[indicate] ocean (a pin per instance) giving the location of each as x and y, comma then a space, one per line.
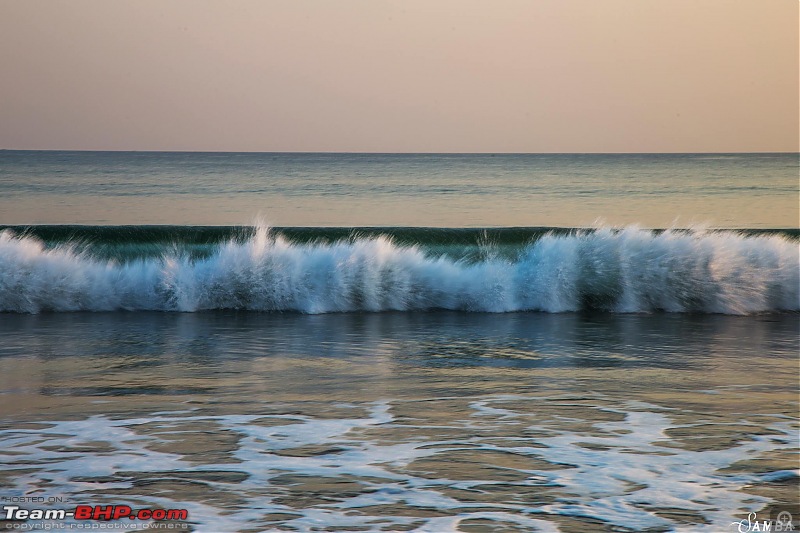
401, 342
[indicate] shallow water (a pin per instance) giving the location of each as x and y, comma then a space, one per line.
397, 421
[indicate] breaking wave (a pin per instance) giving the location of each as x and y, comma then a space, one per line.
618, 270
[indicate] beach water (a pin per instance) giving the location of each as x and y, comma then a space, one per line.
401, 342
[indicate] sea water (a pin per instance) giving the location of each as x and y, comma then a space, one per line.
435, 190
423, 343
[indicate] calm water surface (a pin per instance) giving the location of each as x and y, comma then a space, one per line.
658, 190
395, 422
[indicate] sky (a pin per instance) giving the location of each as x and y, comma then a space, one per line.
400, 75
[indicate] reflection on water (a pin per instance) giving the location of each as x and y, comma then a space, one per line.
392, 422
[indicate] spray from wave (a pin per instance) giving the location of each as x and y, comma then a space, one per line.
625, 270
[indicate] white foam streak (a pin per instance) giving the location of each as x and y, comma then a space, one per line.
630, 270
623, 478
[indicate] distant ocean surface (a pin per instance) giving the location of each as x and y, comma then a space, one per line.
435, 190
421, 342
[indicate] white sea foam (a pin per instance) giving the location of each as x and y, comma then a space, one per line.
627, 270
623, 480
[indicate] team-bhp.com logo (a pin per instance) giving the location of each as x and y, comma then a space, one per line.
93, 512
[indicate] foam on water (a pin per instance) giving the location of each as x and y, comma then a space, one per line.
627, 270
624, 473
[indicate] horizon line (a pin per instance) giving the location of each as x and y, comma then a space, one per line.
332, 152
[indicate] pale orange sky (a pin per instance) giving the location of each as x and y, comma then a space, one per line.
400, 75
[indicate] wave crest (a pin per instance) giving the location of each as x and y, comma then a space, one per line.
625, 270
